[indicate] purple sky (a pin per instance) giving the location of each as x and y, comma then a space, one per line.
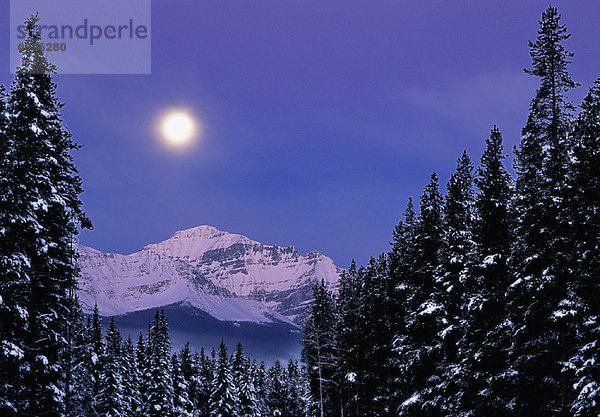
321, 117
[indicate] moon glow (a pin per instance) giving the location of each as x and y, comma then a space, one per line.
178, 128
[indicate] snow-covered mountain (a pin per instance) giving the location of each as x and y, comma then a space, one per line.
226, 275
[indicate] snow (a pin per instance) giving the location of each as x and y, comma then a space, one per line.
210, 269
412, 400
489, 260
429, 308
35, 129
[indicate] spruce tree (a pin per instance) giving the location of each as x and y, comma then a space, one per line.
41, 214
259, 374
585, 183
401, 269
350, 330
110, 397
540, 299
457, 243
97, 352
159, 401
276, 391
143, 371
190, 372
14, 282
248, 396
132, 402
182, 406
485, 340
376, 348
79, 384
205, 373
224, 401
295, 402
418, 346
319, 350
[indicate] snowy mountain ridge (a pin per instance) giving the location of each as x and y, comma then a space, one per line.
229, 276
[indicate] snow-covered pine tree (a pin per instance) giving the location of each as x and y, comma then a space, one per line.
97, 353
276, 390
540, 299
320, 350
259, 376
190, 372
451, 275
238, 365
418, 346
110, 397
132, 402
401, 270
482, 349
159, 401
349, 329
295, 383
14, 282
457, 244
41, 214
79, 384
182, 406
374, 372
205, 377
224, 401
248, 397
585, 184
243, 380
143, 371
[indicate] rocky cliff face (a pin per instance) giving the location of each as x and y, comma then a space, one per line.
227, 275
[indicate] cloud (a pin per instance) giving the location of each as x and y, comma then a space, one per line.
477, 103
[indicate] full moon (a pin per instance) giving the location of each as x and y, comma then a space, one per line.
178, 128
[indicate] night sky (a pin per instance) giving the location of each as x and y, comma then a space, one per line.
320, 118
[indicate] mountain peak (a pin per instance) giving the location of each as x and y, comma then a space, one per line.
198, 264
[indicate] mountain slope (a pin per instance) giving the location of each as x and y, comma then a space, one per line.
226, 275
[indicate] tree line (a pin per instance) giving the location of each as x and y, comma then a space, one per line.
112, 377
488, 302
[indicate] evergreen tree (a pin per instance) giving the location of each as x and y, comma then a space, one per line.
190, 372
143, 371
295, 403
457, 243
79, 386
319, 350
259, 374
485, 339
248, 397
350, 330
97, 354
132, 402
238, 365
374, 373
110, 397
402, 269
585, 183
224, 401
14, 282
540, 299
159, 400
276, 391
206, 373
41, 214
182, 406
418, 346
